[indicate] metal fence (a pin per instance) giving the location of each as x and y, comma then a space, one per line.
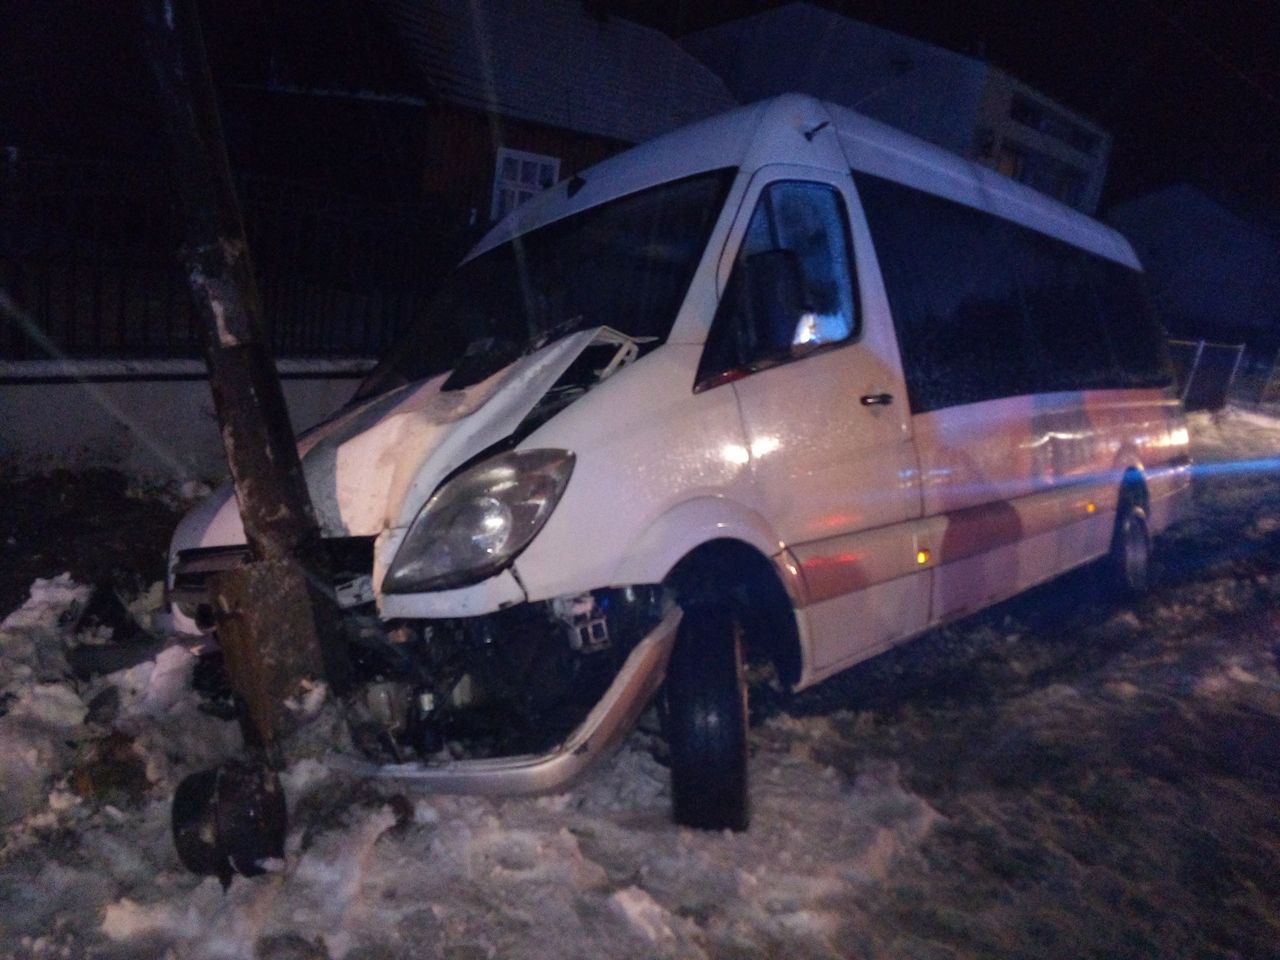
1205, 371
90, 254
340, 277
87, 252
1269, 392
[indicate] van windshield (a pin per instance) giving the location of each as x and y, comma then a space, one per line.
625, 264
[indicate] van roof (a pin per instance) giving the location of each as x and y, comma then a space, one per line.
799, 129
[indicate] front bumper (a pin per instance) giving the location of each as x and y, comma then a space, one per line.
599, 734
352, 559
191, 571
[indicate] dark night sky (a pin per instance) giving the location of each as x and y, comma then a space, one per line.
1189, 88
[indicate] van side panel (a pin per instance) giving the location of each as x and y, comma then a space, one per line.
1019, 490
1035, 370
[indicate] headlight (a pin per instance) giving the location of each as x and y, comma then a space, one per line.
478, 522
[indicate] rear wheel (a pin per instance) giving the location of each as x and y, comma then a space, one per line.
707, 721
1128, 567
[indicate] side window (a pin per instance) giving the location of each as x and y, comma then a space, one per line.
792, 286
519, 175
1140, 345
1074, 349
953, 289
987, 308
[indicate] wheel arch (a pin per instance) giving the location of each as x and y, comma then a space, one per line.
1133, 488
685, 527
1129, 469
736, 573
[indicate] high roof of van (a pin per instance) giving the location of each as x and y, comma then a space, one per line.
801, 130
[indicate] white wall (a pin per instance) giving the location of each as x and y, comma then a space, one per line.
994, 115
146, 419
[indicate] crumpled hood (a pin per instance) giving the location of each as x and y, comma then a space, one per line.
372, 467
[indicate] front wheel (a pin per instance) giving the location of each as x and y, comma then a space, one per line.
707, 721
1128, 567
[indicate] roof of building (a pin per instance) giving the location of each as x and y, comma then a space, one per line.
1173, 206
553, 62
929, 90
800, 45
1208, 264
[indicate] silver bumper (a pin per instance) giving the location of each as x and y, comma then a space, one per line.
604, 728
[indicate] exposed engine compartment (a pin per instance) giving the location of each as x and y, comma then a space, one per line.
513, 682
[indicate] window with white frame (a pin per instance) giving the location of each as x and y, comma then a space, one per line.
518, 176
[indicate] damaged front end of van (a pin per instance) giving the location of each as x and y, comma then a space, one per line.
427, 498
500, 642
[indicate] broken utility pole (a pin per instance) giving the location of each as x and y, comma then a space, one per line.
276, 615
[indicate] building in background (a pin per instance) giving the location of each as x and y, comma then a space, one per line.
476, 103
1215, 275
960, 103
373, 141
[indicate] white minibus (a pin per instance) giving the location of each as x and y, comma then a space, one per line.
785, 385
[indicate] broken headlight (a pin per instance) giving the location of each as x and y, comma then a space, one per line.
478, 522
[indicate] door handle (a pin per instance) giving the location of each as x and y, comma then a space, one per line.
877, 399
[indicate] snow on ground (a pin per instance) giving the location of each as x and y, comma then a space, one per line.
599, 872
1234, 433
1053, 778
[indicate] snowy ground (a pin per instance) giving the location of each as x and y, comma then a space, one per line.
1054, 778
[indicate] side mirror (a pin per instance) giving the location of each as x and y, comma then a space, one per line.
775, 299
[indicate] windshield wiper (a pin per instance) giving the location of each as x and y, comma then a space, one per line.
574, 324
483, 359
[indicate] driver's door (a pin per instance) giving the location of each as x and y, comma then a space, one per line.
825, 412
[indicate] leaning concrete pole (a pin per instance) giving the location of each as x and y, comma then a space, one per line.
276, 615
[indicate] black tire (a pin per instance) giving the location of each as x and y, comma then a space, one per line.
1127, 570
707, 722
